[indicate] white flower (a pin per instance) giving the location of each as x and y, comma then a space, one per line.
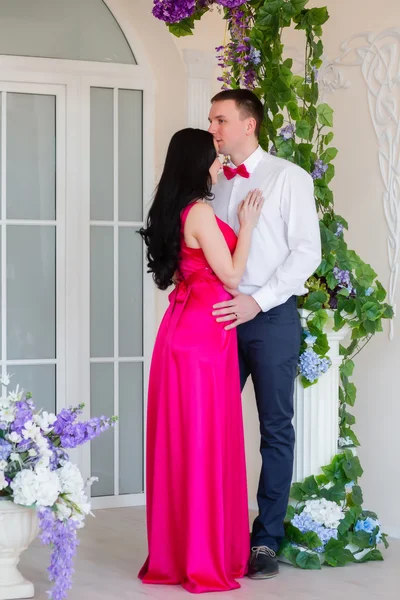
45, 421
71, 480
7, 414
15, 396
3, 464
31, 431
325, 512
48, 487
63, 511
3, 482
32, 452
24, 486
5, 380
14, 437
41, 487
14, 457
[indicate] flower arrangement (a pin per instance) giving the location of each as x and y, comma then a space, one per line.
327, 524
35, 471
298, 128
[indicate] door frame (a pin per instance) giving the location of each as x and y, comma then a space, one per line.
76, 78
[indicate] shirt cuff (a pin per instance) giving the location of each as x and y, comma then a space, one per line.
265, 299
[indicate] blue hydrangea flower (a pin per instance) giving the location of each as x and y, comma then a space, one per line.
255, 56
5, 449
368, 525
305, 523
369, 291
311, 365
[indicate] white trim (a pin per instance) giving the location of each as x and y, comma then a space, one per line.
122, 501
120, 359
3, 143
116, 291
132, 224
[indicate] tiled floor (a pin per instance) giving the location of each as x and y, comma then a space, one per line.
113, 547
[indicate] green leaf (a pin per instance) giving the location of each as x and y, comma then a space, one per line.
347, 368
350, 518
330, 173
325, 114
351, 466
316, 300
336, 554
181, 29
298, 5
303, 129
337, 318
329, 154
336, 493
362, 539
297, 492
328, 138
320, 319
290, 513
365, 275
318, 16
373, 555
351, 391
311, 540
310, 486
356, 495
329, 240
293, 110
284, 147
388, 312
380, 293
327, 264
277, 121
289, 552
308, 560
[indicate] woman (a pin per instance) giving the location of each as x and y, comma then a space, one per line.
197, 511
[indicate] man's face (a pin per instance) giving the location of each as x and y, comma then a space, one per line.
227, 126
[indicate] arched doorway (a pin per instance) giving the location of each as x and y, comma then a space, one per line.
75, 170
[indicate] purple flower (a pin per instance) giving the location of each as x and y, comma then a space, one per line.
339, 230
62, 538
320, 169
287, 132
173, 11
272, 150
231, 3
22, 415
5, 449
343, 278
76, 434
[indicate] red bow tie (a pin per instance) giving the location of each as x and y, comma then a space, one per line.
241, 170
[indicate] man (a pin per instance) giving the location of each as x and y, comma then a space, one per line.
285, 251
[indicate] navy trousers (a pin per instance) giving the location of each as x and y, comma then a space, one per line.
269, 348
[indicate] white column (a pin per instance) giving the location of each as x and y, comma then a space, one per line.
200, 67
316, 414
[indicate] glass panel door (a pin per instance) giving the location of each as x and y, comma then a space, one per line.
32, 233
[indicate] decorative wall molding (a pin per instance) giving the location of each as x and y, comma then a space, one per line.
200, 67
378, 56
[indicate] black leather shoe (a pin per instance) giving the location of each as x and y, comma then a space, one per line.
263, 563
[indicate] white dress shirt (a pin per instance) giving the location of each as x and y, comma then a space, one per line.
286, 244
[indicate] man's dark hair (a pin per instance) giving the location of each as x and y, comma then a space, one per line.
246, 102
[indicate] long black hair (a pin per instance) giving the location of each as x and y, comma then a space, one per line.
185, 178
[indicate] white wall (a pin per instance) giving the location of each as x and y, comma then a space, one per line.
358, 188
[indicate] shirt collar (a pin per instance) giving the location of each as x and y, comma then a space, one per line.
252, 161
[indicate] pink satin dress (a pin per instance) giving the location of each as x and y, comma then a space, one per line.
197, 508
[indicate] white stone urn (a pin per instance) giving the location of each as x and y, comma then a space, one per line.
19, 526
316, 410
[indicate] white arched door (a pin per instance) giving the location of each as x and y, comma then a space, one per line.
76, 306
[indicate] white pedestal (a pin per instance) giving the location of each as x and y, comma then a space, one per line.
18, 528
316, 413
